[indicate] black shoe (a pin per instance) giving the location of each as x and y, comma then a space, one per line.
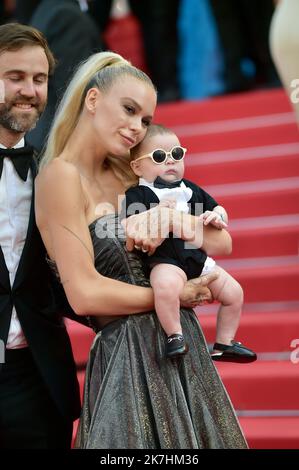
176, 346
234, 353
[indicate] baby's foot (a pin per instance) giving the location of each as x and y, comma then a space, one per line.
235, 352
176, 345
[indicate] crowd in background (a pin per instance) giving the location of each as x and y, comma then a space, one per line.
192, 48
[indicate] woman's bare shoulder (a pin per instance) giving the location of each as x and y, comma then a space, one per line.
59, 184
58, 171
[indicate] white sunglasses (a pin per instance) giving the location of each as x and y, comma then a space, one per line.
160, 156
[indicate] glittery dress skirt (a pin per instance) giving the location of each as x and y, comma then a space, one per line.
136, 398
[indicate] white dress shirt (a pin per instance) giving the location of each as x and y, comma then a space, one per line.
15, 202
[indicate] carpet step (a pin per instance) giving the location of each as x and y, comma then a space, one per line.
260, 331
266, 242
233, 138
224, 108
268, 279
258, 198
253, 205
261, 385
230, 166
266, 236
271, 432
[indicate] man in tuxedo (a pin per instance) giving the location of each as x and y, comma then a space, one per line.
39, 393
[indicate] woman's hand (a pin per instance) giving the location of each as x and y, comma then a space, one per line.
196, 291
146, 231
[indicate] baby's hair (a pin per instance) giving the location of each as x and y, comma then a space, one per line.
153, 129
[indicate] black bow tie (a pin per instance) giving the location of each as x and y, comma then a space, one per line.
21, 159
160, 183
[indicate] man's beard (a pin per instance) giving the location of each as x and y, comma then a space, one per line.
17, 121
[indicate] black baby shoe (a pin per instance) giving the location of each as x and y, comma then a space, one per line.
237, 352
176, 345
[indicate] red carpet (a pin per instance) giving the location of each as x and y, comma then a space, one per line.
244, 149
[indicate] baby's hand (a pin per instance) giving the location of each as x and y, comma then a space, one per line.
213, 218
171, 203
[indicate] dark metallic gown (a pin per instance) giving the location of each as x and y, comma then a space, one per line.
136, 398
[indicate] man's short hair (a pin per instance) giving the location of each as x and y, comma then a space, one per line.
14, 36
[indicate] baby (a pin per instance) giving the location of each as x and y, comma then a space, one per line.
158, 161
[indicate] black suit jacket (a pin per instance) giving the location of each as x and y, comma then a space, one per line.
72, 36
40, 316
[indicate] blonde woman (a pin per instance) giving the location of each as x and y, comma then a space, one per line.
132, 398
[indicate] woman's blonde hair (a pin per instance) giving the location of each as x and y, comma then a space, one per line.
101, 71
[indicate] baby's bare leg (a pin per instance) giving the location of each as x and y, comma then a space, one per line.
229, 293
167, 282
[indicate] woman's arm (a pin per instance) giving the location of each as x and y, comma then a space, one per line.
191, 228
149, 229
60, 215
